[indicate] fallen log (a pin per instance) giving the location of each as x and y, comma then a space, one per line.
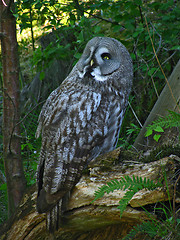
100, 219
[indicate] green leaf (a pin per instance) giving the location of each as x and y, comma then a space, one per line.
42, 75
148, 133
117, 28
133, 56
16, 15
135, 34
158, 129
77, 55
156, 137
151, 71
138, 2
97, 29
175, 48
3, 187
178, 221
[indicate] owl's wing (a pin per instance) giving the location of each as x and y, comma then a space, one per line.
71, 135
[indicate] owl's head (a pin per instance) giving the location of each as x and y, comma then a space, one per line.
105, 59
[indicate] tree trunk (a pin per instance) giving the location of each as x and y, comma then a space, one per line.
99, 220
11, 129
169, 99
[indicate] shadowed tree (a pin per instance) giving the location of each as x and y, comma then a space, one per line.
16, 182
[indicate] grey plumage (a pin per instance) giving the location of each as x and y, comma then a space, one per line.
80, 120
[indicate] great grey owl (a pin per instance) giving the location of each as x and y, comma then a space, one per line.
80, 120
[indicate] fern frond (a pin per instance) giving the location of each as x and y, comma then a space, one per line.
149, 228
133, 185
123, 183
125, 200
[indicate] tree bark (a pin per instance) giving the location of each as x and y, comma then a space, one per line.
11, 130
169, 99
99, 220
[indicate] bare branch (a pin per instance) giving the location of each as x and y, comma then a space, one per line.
4, 3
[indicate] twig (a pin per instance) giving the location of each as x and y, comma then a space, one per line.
103, 19
4, 3
152, 79
169, 57
12, 133
165, 61
96, 16
160, 41
28, 113
135, 115
161, 66
174, 200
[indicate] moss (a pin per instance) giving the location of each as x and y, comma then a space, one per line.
161, 152
106, 162
128, 155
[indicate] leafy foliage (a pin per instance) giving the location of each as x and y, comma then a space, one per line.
30, 146
87, 19
3, 198
171, 120
148, 228
132, 185
156, 229
43, 59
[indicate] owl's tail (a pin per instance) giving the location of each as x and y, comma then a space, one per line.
55, 217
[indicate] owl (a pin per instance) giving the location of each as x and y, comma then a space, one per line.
80, 120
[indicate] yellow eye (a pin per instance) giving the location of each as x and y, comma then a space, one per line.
106, 56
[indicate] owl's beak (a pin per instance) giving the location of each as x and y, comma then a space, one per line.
91, 62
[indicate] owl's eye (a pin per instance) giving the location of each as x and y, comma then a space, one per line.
106, 56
